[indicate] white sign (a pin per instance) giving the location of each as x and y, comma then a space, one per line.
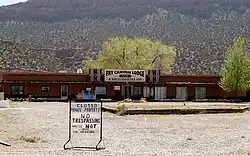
122, 75
85, 118
117, 88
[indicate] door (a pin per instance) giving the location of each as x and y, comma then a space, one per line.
248, 95
127, 91
64, 91
118, 93
138, 91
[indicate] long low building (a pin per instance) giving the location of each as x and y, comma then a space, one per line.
114, 84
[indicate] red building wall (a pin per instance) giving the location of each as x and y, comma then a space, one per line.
55, 89
189, 78
7, 89
45, 77
1, 87
76, 88
32, 83
191, 90
171, 90
213, 91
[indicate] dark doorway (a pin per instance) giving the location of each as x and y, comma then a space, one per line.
248, 96
127, 91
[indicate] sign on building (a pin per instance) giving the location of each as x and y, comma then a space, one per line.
85, 125
123, 75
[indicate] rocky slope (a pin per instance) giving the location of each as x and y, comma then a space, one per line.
65, 10
201, 30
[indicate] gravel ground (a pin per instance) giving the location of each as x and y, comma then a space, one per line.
203, 135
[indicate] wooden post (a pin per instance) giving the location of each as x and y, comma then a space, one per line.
29, 98
4, 143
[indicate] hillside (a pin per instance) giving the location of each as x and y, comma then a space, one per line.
68, 31
65, 10
24, 57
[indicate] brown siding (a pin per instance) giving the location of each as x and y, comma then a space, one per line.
191, 90
217, 91
76, 88
110, 90
213, 91
7, 88
172, 78
55, 89
44, 77
35, 89
1, 83
232, 93
1, 87
171, 91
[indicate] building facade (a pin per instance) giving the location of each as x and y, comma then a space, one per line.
113, 84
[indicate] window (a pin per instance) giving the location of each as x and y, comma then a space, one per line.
160, 93
181, 93
100, 90
137, 90
200, 92
45, 88
17, 90
148, 91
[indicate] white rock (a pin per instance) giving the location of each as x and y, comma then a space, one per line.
4, 104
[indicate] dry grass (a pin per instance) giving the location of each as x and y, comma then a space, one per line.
12, 127
241, 153
31, 139
121, 110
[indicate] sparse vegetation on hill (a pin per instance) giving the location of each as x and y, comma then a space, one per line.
201, 30
66, 10
25, 57
21, 56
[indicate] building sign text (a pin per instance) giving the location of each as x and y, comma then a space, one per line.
122, 75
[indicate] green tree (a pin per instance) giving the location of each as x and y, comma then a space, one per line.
133, 53
235, 72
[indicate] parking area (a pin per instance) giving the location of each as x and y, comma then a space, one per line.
41, 128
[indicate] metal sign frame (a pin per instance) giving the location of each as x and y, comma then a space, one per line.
82, 147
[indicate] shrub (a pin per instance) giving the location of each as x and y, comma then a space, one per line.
31, 139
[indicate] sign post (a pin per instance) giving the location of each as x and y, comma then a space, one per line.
85, 125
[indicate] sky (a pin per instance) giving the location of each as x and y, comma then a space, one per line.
8, 2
